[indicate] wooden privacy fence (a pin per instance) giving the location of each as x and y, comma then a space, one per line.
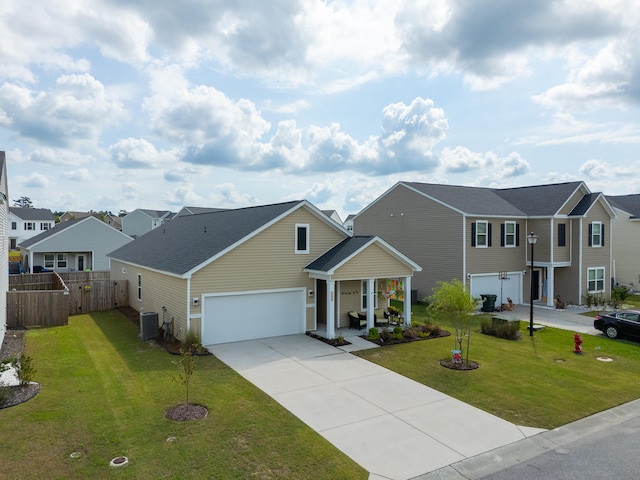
47, 299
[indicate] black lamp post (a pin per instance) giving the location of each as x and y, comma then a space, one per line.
532, 239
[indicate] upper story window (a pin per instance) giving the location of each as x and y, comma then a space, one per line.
510, 234
562, 234
139, 287
302, 238
596, 234
14, 225
45, 226
29, 226
481, 234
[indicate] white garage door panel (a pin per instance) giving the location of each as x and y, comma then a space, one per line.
233, 318
511, 288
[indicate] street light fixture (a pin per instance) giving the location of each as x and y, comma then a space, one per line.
532, 238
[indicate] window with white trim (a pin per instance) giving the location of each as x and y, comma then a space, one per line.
139, 287
482, 233
302, 238
596, 234
509, 234
45, 226
49, 259
61, 260
365, 297
595, 279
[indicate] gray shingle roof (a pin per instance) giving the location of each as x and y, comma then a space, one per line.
157, 213
339, 253
188, 241
32, 213
584, 204
628, 203
52, 231
537, 200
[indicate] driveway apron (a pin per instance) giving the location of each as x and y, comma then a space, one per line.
392, 426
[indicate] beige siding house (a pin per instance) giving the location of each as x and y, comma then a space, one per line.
626, 240
479, 236
257, 272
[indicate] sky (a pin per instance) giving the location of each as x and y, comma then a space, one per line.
123, 104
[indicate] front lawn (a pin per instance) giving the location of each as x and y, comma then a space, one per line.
536, 382
104, 393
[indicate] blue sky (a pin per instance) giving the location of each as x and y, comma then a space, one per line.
116, 105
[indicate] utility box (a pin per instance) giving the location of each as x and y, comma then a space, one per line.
148, 325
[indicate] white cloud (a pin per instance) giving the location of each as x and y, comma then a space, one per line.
461, 160
79, 175
35, 180
140, 153
75, 110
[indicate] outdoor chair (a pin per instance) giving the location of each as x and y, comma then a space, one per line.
356, 320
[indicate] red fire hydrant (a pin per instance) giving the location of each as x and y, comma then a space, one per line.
578, 341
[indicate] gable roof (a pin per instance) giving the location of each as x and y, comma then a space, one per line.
207, 235
156, 213
195, 210
62, 226
31, 213
627, 203
531, 201
348, 248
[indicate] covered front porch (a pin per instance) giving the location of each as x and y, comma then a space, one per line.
361, 275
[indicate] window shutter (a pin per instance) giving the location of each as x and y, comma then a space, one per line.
517, 234
502, 228
590, 235
602, 234
489, 235
562, 234
473, 234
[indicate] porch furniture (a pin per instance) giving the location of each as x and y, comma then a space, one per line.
356, 320
381, 318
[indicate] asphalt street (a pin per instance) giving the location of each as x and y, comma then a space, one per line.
609, 453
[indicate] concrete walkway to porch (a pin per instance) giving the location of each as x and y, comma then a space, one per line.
393, 427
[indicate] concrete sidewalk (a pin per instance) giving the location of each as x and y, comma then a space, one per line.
393, 427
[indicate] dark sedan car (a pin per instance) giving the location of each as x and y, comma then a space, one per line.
616, 324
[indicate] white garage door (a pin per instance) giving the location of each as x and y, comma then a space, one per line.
511, 286
246, 316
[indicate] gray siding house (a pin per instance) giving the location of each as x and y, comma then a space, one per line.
478, 235
141, 221
74, 245
626, 240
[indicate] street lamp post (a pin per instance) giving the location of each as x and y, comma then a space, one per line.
532, 239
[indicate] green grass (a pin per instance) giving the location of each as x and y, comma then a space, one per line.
536, 382
104, 393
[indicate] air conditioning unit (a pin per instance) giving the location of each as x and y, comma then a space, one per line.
148, 325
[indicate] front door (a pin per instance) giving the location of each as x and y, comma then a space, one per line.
80, 263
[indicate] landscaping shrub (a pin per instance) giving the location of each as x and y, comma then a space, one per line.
26, 370
507, 330
386, 335
397, 333
411, 333
619, 295
374, 334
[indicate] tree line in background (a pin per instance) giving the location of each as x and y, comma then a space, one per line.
25, 202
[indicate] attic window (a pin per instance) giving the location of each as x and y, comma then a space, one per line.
302, 238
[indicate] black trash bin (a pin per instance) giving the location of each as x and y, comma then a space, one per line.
488, 302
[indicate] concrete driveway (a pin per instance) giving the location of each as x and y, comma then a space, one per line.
393, 427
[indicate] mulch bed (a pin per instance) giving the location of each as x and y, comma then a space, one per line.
463, 366
186, 413
334, 342
12, 347
393, 341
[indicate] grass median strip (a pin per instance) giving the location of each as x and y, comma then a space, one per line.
104, 394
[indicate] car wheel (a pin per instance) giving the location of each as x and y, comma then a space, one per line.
611, 331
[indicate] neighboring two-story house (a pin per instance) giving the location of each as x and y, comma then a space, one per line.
141, 221
25, 223
478, 235
626, 236
4, 245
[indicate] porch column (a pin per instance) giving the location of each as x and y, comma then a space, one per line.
331, 308
551, 294
407, 301
371, 302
